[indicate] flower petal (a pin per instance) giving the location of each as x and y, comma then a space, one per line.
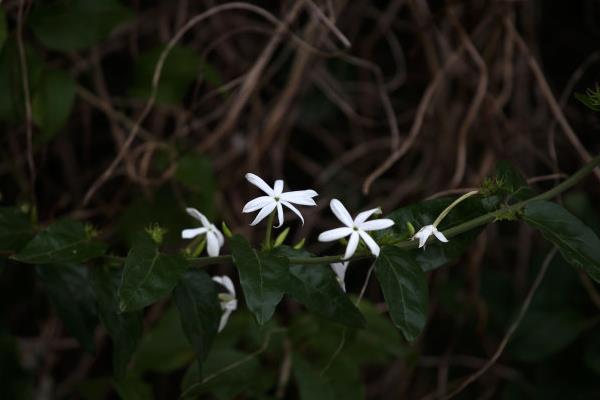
376, 224
212, 244
279, 215
199, 216
335, 234
302, 197
224, 319
363, 216
259, 183
192, 233
341, 213
257, 203
226, 282
264, 213
340, 269
373, 246
294, 209
440, 236
423, 236
278, 187
219, 236
352, 245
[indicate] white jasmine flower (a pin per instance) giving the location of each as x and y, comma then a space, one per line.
356, 228
426, 231
228, 300
214, 237
340, 272
275, 198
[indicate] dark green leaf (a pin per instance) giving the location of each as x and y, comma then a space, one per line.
94, 388
311, 384
133, 388
125, 329
15, 229
65, 241
148, 275
404, 287
196, 299
16, 382
72, 297
544, 333
75, 24
578, 244
225, 382
3, 28
164, 348
180, 69
52, 102
317, 288
12, 100
435, 254
263, 277
591, 354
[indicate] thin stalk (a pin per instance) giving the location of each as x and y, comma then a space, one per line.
454, 231
451, 206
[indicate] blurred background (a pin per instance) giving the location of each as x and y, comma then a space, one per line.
376, 103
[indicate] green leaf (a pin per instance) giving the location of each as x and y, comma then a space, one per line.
229, 373
15, 229
16, 382
52, 102
180, 69
404, 287
12, 99
542, 334
125, 329
263, 278
133, 388
76, 24
164, 348
591, 354
578, 244
436, 254
311, 384
3, 28
65, 241
316, 287
72, 297
148, 275
196, 299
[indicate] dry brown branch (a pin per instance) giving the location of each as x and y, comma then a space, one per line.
549, 96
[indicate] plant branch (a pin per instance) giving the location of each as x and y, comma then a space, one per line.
454, 231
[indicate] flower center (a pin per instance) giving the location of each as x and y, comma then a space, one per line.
276, 198
355, 228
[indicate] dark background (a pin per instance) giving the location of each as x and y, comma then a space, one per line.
320, 116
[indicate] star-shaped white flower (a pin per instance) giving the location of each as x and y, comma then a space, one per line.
228, 300
275, 198
356, 228
340, 273
426, 231
214, 237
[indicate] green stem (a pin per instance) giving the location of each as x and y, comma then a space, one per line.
451, 206
268, 243
454, 231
